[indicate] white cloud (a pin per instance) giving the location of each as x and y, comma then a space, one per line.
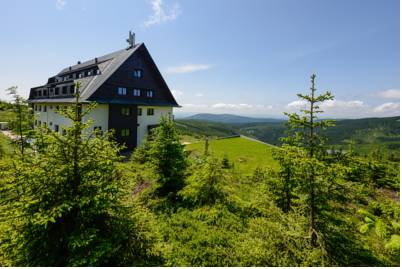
387, 107
61, 4
159, 14
328, 105
197, 106
177, 93
199, 94
389, 94
223, 107
298, 104
335, 104
231, 106
187, 68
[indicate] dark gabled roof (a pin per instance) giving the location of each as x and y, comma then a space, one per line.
108, 65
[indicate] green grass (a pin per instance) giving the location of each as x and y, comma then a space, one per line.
6, 116
246, 155
6, 146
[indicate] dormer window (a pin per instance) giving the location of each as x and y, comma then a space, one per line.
137, 92
137, 73
97, 71
80, 75
150, 93
121, 91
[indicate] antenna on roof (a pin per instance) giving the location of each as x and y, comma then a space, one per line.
131, 39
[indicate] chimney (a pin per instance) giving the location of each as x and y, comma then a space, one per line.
96, 60
69, 68
79, 62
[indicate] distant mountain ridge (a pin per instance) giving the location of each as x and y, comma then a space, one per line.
230, 118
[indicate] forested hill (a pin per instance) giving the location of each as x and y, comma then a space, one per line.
229, 118
381, 131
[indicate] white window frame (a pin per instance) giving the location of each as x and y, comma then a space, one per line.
137, 92
121, 91
137, 73
150, 93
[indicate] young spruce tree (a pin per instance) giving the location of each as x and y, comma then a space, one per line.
23, 120
67, 203
305, 135
164, 151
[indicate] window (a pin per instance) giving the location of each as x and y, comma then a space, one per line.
56, 128
40, 108
44, 92
72, 89
137, 73
150, 111
150, 93
98, 72
44, 108
50, 123
137, 92
139, 111
125, 111
80, 75
98, 130
121, 91
64, 90
125, 132
44, 124
39, 123
35, 107
56, 91
57, 107
63, 131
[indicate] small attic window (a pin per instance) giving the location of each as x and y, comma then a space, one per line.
150, 93
97, 71
137, 73
121, 91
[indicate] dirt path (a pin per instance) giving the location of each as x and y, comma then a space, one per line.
10, 135
256, 140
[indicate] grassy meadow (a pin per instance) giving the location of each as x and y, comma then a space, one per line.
246, 155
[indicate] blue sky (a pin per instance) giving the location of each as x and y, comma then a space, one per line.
244, 57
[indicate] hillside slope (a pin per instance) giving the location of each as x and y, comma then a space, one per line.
244, 154
229, 118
